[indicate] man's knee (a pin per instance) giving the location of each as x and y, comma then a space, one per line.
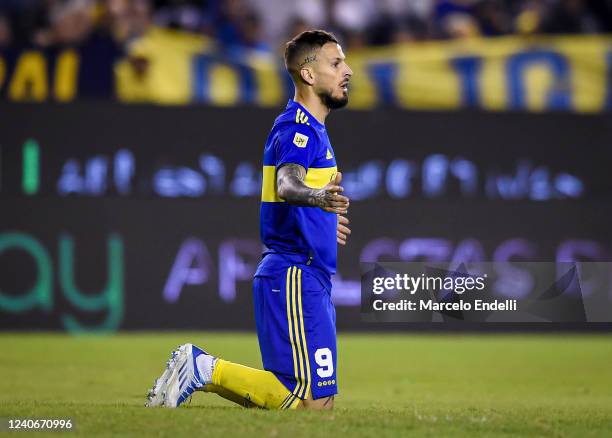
319, 404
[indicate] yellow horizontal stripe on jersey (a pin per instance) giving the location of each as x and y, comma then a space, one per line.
316, 177
319, 177
268, 185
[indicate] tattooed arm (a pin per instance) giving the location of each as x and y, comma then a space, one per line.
290, 186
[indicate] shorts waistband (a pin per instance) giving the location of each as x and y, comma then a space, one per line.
273, 261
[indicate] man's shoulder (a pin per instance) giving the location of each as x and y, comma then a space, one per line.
293, 118
287, 125
296, 127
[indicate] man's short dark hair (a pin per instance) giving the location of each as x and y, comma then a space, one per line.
298, 50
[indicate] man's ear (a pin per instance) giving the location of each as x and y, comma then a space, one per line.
306, 75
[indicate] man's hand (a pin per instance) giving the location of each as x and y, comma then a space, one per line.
330, 199
343, 231
290, 186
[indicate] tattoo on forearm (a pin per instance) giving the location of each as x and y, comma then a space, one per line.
291, 187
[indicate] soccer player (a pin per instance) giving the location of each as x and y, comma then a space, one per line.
302, 223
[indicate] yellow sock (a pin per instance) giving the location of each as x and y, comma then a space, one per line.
229, 395
257, 386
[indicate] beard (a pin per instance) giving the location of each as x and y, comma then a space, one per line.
332, 102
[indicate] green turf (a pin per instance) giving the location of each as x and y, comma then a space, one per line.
390, 385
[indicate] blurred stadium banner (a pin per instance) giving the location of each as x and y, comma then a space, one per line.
145, 217
170, 67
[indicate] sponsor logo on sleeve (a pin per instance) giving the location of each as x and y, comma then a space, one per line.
300, 140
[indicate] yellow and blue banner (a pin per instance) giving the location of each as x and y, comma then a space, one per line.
564, 73
513, 73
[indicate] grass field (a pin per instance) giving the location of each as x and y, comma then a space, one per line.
390, 385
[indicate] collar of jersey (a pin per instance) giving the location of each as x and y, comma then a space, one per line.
315, 122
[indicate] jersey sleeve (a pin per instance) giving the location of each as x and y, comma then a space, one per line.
297, 143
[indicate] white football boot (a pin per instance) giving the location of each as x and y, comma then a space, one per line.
181, 377
155, 395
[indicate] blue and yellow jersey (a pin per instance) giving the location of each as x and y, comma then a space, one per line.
298, 233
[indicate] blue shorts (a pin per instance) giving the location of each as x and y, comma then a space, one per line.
296, 326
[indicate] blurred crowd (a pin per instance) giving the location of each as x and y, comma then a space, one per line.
267, 24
